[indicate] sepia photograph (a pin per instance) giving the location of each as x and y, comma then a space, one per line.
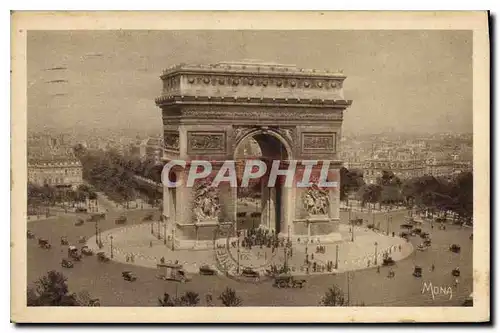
244, 174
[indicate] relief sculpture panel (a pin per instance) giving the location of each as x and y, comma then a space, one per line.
171, 140
318, 142
210, 142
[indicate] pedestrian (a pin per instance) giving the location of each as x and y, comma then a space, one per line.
131, 258
432, 268
150, 243
378, 269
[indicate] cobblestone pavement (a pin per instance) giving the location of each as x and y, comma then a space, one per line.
366, 286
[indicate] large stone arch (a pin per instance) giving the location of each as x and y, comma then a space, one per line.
208, 110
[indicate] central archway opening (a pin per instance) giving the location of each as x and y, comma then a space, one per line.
258, 205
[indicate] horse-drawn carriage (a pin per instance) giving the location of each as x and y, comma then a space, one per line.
456, 272
288, 281
44, 243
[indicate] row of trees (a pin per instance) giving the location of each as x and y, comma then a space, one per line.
49, 196
427, 193
114, 175
52, 290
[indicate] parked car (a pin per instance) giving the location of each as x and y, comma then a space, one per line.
30, 234
82, 239
80, 210
207, 270
129, 276
79, 222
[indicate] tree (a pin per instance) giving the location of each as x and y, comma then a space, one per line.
370, 193
229, 298
51, 290
333, 297
190, 298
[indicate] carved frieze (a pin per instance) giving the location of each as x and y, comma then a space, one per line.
264, 114
171, 140
206, 205
319, 142
209, 142
235, 80
316, 201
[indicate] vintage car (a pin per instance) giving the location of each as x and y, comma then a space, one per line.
442, 227
172, 272
64, 240
455, 248
94, 302
417, 231
248, 272
207, 270
73, 253
30, 234
80, 210
470, 237
86, 251
148, 217
66, 263
101, 256
422, 247
288, 281
427, 242
82, 240
79, 222
121, 220
417, 271
129, 276
388, 261
424, 235
44, 243
404, 235
357, 222
456, 272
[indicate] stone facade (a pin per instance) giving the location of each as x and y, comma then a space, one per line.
292, 113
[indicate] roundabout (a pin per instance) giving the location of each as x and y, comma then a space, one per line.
138, 245
367, 285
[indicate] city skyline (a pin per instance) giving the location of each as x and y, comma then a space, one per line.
95, 83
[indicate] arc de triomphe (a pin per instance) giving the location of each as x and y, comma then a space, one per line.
292, 113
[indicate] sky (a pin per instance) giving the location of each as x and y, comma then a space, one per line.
401, 81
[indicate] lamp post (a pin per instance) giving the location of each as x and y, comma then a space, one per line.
165, 232
111, 245
376, 244
337, 256
152, 231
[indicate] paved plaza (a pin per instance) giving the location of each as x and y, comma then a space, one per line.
366, 285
